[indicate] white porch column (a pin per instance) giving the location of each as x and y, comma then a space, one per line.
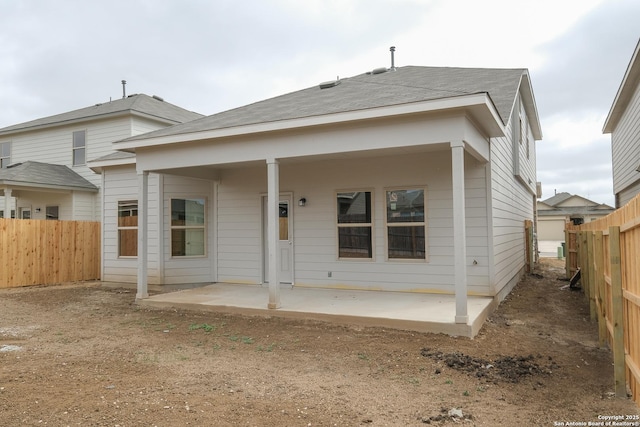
143, 203
273, 215
7, 203
459, 233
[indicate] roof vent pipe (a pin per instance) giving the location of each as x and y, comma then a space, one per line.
393, 64
124, 92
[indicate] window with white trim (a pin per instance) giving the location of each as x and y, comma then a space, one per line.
79, 147
355, 225
127, 228
406, 226
5, 154
188, 227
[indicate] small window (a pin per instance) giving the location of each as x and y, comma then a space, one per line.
355, 225
406, 224
188, 227
128, 228
52, 212
79, 147
5, 154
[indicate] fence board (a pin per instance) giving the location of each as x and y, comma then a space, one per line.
618, 297
42, 252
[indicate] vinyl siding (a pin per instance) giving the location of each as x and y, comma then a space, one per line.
629, 193
179, 270
140, 125
511, 204
625, 144
240, 251
84, 204
42, 200
54, 145
121, 183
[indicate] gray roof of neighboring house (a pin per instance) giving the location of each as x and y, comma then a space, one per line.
150, 106
31, 173
405, 85
559, 198
578, 210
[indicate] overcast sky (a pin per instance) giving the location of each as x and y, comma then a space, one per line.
212, 55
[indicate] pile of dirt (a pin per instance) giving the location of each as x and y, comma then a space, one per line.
504, 368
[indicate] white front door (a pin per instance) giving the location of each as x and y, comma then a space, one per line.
285, 241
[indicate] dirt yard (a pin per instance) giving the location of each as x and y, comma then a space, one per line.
82, 355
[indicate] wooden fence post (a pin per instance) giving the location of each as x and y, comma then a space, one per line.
582, 263
591, 276
598, 254
567, 247
528, 231
619, 368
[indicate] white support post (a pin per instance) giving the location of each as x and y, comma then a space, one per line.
143, 203
273, 221
7, 203
459, 233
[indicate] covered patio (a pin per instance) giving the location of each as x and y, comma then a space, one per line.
398, 310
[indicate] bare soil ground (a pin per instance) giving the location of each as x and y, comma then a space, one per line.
83, 355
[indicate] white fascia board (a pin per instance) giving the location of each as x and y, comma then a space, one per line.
33, 186
530, 106
98, 165
69, 122
480, 99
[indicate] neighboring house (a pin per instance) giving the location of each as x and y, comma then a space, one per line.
555, 211
623, 123
415, 179
43, 163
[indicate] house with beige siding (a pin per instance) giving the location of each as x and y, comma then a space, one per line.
43, 162
410, 179
556, 211
623, 123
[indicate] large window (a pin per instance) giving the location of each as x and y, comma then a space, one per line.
127, 228
79, 147
406, 224
188, 227
354, 225
5, 154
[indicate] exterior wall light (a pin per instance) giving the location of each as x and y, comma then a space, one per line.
302, 202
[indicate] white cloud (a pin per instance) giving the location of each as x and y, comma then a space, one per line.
210, 56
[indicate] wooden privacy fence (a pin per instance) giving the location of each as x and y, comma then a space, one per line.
606, 251
43, 252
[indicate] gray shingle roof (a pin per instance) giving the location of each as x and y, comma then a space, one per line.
144, 104
117, 155
44, 174
405, 85
557, 199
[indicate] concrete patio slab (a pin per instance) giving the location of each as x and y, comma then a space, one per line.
408, 311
